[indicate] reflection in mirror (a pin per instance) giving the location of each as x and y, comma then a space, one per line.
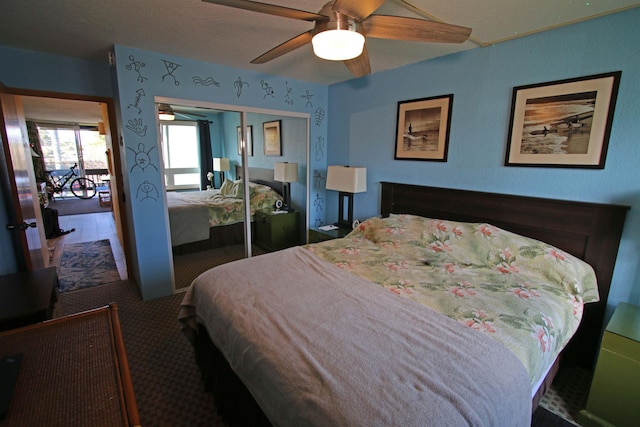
206, 195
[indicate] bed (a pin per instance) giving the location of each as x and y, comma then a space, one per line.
384, 354
200, 220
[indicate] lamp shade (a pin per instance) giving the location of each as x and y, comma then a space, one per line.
221, 164
347, 179
286, 172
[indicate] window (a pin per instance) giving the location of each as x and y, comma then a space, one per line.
181, 155
64, 145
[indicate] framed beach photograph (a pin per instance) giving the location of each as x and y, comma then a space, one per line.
564, 123
249, 140
272, 140
422, 129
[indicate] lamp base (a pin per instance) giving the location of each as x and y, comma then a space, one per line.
342, 221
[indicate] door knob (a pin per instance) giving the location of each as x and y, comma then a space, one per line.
22, 226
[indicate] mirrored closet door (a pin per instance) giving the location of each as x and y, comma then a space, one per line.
206, 157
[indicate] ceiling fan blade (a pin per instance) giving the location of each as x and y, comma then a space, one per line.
413, 29
357, 9
286, 47
359, 66
187, 114
270, 9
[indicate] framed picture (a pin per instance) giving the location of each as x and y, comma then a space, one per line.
272, 140
422, 131
249, 140
564, 123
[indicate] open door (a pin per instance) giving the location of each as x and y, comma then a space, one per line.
25, 228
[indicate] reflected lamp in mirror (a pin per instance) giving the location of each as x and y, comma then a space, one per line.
286, 173
346, 181
221, 165
165, 112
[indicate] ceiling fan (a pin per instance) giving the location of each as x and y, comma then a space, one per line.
168, 112
352, 19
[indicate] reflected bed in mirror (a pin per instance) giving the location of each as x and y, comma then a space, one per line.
201, 220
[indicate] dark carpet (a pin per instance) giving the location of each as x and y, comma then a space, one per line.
166, 380
188, 267
75, 206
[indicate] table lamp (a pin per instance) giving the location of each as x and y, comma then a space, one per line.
221, 164
347, 181
286, 173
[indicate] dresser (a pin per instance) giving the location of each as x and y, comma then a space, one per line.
275, 231
615, 390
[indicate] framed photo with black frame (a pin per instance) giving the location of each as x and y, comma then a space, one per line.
563, 123
271, 138
422, 129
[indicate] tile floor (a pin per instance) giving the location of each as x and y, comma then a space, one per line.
568, 393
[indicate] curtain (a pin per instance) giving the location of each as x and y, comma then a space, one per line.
206, 154
34, 142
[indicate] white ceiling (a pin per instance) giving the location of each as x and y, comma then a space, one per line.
223, 35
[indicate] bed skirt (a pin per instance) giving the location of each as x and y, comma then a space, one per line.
234, 402
220, 236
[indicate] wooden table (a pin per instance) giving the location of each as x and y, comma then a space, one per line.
27, 297
74, 372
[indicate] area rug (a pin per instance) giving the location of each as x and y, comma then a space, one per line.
86, 264
75, 206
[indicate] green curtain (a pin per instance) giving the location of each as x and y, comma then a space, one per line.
38, 162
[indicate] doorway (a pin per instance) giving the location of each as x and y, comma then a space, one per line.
90, 116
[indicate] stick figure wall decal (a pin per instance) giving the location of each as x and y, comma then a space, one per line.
139, 94
308, 97
239, 84
319, 148
136, 66
319, 116
268, 90
142, 158
135, 126
318, 203
318, 180
197, 80
171, 68
147, 190
288, 98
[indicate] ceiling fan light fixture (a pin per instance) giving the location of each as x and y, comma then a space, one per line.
338, 40
165, 112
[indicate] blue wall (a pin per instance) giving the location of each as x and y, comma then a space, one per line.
141, 76
362, 117
53, 73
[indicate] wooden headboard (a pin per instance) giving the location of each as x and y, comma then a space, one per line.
262, 176
589, 231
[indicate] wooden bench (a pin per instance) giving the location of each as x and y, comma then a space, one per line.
74, 371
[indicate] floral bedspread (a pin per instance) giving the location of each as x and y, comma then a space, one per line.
226, 207
524, 293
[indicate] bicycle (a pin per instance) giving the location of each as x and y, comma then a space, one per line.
81, 187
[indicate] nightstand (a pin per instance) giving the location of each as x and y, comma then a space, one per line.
317, 235
275, 231
615, 389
